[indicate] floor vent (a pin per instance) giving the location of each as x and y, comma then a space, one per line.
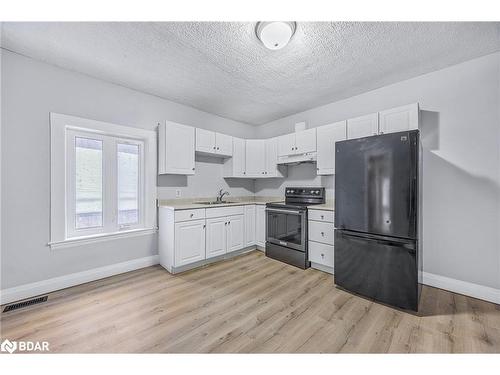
27, 303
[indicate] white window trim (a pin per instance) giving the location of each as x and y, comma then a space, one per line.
59, 126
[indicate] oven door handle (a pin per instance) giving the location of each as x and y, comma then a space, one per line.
284, 211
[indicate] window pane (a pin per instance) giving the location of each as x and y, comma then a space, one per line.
128, 184
88, 160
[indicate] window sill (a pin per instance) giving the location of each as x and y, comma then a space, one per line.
78, 241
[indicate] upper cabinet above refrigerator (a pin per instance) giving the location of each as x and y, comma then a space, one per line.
399, 119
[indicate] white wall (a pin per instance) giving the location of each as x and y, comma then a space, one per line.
30, 90
461, 140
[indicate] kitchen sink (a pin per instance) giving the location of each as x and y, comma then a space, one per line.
214, 202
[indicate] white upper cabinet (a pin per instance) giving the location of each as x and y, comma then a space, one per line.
272, 168
176, 148
297, 143
286, 144
255, 158
327, 135
235, 166
305, 141
208, 142
363, 126
224, 144
205, 141
399, 119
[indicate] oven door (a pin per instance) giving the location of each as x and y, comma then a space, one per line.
286, 227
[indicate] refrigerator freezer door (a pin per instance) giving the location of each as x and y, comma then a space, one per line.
377, 267
376, 184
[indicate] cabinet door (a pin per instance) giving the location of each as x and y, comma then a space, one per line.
255, 157
271, 157
177, 145
249, 225
224, 144
189, 242
399, 119
216, 237
205, 141
363, 126
239, 157
235, 232
260, 228
326, 137
286, 145
305, 141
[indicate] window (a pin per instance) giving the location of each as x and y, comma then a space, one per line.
103, 179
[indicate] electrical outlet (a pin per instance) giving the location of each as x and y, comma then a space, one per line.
178, 193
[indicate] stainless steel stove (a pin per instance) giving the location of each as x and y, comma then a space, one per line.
286, 225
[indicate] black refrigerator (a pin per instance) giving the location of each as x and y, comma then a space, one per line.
377, 250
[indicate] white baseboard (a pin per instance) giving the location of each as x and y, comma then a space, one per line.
462, 287
46, 286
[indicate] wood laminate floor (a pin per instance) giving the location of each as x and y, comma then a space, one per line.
248, 304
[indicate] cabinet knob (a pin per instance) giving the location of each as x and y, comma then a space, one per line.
322, 255
214, 147
204, 226
229, 223
225, 223
217, 148
244, 172
193, 169
191, 215
323, 234
322, 217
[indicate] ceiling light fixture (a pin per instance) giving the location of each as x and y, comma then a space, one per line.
275, 35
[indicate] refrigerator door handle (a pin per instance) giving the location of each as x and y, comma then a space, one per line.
407, 244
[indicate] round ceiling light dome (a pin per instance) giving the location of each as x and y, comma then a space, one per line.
275, 35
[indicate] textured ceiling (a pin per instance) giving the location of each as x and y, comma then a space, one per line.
223, 69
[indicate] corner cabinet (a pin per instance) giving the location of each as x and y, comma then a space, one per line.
261, 158
176, 148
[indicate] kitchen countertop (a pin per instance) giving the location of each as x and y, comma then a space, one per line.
190, 203
327, 206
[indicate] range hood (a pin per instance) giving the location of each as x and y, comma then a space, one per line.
309, 157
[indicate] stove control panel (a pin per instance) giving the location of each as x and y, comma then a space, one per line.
305, 192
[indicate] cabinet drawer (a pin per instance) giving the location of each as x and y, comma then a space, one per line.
225, 211
321, 232
320, 215
184, 215
321, 253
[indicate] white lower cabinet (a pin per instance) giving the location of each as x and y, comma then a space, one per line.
225, 230
216, 237
321, 253
189, 242
235, 233
260, 225
320, 233
250, 223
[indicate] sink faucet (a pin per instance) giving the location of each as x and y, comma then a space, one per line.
221, 195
